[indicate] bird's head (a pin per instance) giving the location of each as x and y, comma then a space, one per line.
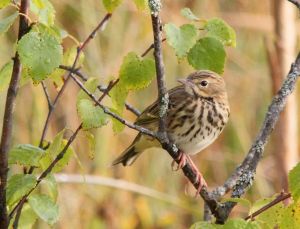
205, 83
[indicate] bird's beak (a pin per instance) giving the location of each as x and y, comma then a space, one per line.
185, 82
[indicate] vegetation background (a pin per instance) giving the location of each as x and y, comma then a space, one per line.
249, 84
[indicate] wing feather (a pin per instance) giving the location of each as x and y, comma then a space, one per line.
151, 114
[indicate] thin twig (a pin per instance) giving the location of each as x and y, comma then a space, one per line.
278, 199
7, 126
150, 48
18, 207
106, 110
100, 88
44, 174
47, 96
80, 48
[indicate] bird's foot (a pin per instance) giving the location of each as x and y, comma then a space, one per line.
182, 157
199, 177
202, 183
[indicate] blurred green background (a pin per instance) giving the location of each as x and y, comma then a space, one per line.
249, 86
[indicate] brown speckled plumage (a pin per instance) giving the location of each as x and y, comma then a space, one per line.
197, 114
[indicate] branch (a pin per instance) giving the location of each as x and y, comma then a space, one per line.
243, 176
281, 197
163, 97
8, 116
296, 3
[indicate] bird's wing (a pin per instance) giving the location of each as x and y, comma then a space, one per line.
151, 114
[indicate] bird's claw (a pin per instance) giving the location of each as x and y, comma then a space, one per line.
181, 162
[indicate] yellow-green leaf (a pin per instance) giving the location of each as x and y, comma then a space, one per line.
4, 3
44, 10
41, 53
19, 185
182, 39
90, 115
5, 75
44, 207
219, 29
91, 85
111, 5
6, 23
141, 4
136, 73
25, 154
187, 13
294, 182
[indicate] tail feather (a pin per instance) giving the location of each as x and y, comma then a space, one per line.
127, 157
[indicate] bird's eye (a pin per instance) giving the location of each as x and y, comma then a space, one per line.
203, 83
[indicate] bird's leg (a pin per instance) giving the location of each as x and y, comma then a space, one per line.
182, 157
199, 176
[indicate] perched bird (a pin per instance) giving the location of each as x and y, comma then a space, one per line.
197, 113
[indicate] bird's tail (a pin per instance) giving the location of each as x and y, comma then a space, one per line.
127, 157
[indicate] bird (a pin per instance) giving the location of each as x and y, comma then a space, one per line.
198, 111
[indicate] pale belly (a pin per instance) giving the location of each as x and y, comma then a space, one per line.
197, 144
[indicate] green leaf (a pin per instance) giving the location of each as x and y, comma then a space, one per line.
55, 146
54, 149
269, 218
5, 75
187, 13
44, 10
209, 54
90, 115
136, 73
240, 224
70, 55
181, 39
219, 29
19, 185
51, 185
141, 4
290, 217
204, 225
41, 53
48, 159
66, 158
91, 85
52, 30
117, 125
25, 154
6, 23
4, 3
294, 182
118, 96
44, 207
28, 218
111, 5
68, 59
